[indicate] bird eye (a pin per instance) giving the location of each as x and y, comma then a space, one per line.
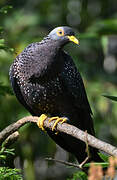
60, 32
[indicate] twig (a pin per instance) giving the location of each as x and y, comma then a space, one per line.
79, 166
64, 162
66, 128
82, 164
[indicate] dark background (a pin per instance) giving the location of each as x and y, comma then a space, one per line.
95, 24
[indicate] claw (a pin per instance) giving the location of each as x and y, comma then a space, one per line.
41, 120
64, 120
53, 118
61, 120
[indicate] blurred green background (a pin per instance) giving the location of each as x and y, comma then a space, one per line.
95, 22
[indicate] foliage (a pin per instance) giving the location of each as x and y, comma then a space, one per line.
4, 152
10, 174
7, 173
5, 9
80, 175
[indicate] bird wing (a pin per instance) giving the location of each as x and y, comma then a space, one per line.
17, 90
74, 89
74, 84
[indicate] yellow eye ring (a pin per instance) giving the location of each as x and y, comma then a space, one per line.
60, 32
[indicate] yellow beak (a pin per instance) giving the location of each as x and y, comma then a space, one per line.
73, 39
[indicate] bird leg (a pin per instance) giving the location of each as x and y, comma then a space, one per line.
57, 119
41, 120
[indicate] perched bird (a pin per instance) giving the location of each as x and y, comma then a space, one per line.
46, 81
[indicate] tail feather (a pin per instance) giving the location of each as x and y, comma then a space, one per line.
75, 146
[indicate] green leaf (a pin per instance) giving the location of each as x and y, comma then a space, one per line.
2, 150
104, 156
113, 98
2, 157
103, 164
8, 152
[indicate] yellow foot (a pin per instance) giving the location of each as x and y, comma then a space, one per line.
58, 119
41, 120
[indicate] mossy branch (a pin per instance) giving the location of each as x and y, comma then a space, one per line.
66, 128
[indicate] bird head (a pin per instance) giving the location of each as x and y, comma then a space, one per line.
64, 35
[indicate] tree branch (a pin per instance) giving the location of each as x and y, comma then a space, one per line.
64, 162
66, 128
11, 139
